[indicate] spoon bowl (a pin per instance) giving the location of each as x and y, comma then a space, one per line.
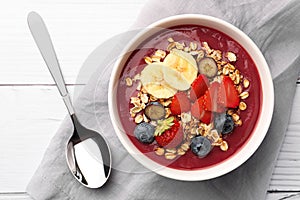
87, 152
86, 161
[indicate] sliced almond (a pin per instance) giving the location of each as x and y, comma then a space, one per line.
239, 89
239, 122
230, 112
199, 131
135, 110
179, 46
230, 66
237, 79
145, 118
170, 156
138, 119
159, 151
207, 48
180, 152
148, 60
218, 143
232, 76
171, 46
185, 147
216, 55
168, 112
231, 56
134, 100
160, 53
170, 40
224, 146
193, 46
155, 58
242, 105
246, 83
235, 117
214, 135
172, 150
137, 104
144, 98
128, 81
225, 70
244, 95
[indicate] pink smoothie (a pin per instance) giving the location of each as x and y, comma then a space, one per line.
217, 41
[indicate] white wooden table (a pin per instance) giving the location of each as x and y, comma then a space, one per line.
30, 107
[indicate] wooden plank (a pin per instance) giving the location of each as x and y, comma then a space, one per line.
270, 196
15, 196
76, 27
286, 175
283, 196
32, 116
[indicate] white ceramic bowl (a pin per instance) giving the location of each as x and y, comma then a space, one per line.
263, 120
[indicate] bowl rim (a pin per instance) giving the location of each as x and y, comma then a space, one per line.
259, 131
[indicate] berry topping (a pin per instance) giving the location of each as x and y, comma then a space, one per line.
201, 146
171, 137
208, 67
198, 87
155, 111
228, 95
224, 123
215, 104
144, 132
180, 103
163, 125
228, 125
199, 111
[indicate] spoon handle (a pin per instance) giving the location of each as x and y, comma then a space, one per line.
43, 41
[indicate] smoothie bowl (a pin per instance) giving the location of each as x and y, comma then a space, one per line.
191, 98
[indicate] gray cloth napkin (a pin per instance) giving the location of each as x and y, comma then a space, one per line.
275, 28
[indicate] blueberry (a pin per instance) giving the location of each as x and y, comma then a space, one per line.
219, 121
228, 125
155, 111
200, 146
224, 123
144, 132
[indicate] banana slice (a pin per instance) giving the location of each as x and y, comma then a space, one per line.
152, 78
160, 90
188, 57
184, 63
175, 79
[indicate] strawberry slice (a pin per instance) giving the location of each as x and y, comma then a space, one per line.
228, 95
180, 103
198, 87
217, 104
211, 100
199, 110
172, 137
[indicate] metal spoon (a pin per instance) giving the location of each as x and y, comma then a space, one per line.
88, 154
